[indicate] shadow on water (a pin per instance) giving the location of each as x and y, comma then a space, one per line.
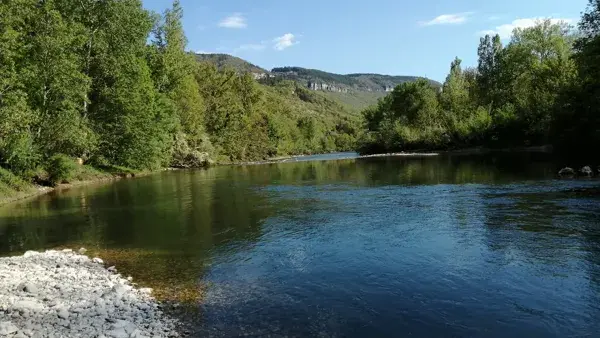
450, 245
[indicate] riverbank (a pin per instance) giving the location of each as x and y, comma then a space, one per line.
13, 188
64, 294
89, 175
465, 151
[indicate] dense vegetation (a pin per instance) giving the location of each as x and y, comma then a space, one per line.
111, 84
543, 87
224, 61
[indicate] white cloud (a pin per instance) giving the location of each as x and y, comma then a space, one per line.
285, 41
448, 19
204, 52
505, 30
236, 20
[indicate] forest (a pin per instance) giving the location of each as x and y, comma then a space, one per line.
110, 85
541, 88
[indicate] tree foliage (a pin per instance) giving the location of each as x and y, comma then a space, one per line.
542, 87
113, 84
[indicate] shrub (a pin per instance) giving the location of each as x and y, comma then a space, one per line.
12, 181
60, 168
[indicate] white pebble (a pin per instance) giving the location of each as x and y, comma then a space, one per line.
52, 294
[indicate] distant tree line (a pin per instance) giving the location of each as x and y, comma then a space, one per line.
111, 83
543, 87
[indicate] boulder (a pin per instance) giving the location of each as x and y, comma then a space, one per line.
586, 171
566, 172
7, 328
30, 253
62, 313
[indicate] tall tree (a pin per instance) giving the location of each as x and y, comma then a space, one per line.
18, 150
56, 85
536, 65
174, 73
489, 52
455, 92
135, 123
578, 120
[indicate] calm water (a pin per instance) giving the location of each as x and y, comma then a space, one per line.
488, 246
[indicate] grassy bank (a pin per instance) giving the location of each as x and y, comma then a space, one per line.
14, 188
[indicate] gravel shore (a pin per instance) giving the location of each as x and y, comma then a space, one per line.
66, 294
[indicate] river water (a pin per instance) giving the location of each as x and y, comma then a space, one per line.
445, 246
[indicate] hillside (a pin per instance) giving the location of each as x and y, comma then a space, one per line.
353, 91
344, 83
225, 60
354, 100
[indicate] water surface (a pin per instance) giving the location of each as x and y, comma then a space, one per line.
447, 246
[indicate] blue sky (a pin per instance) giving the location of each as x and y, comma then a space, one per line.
398, 37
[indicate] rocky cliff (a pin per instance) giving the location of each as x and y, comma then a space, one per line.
320, 80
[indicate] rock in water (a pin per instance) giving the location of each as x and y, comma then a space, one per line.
98, 260
7, 328
566, 172
586, 171
82, 250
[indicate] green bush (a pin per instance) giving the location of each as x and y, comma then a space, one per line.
60, 168
12, 181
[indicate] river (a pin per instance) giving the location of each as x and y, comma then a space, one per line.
338, 246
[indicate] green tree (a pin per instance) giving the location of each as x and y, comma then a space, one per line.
18, 150
578, 121
414, 104
56, 86
174, 76
455, 92
490, 53
536, 65
134, 121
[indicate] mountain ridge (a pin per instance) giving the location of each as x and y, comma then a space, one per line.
356, 90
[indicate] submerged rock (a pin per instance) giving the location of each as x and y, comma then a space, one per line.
566, 172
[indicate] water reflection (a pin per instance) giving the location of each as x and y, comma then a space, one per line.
435, 246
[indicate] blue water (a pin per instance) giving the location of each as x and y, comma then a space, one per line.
491, 246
